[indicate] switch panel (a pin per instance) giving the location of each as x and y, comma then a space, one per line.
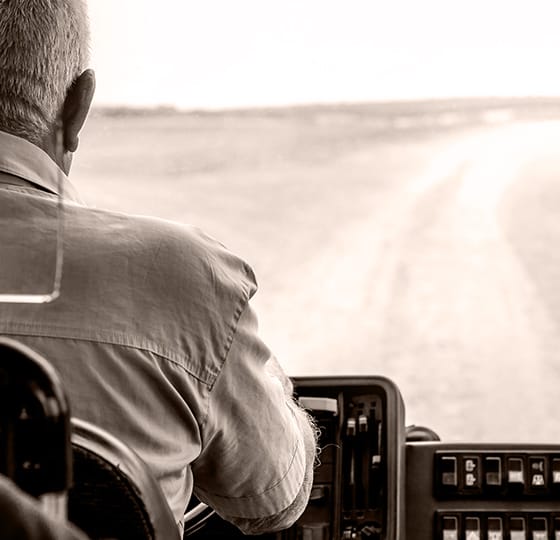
482, 491
497, 526
508, 475
355, 491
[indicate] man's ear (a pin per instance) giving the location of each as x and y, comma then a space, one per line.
76, 108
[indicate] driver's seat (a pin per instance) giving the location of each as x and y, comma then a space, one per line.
114, 494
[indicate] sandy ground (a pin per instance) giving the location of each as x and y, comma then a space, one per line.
428, 257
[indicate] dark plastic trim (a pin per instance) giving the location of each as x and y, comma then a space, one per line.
394, 412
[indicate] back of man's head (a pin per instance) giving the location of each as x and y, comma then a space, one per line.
44, 46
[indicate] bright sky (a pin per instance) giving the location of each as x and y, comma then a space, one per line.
231, 53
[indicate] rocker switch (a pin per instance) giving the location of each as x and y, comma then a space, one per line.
472, 528
448, 469
540, 529
493, 471
537, 467
556, 471
557, 528
450, 528
515, 474
495, 529
517, 529
471, 472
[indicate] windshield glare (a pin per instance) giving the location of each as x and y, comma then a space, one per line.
391, 180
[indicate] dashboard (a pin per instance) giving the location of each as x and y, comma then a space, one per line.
373, 483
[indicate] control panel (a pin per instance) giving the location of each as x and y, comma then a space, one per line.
361, 463
482, 492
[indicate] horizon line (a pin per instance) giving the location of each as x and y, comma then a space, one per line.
163, 107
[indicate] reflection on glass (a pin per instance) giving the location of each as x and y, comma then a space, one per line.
21, 279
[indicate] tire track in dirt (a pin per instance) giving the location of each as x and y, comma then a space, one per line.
430, 293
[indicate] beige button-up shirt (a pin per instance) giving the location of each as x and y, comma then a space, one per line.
154, 339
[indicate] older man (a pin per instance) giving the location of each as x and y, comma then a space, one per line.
152, 334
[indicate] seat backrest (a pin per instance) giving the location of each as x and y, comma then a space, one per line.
34, 426
114, 493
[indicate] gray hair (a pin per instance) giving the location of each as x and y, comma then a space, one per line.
44, 47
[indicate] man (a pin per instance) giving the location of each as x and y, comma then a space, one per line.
152, 334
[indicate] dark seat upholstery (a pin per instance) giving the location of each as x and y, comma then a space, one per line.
114, 494
34, 426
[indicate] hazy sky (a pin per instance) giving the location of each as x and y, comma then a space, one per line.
228, 53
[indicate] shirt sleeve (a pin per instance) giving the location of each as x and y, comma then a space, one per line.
253, 460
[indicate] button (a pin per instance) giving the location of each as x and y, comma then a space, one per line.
448, 468
450, 528
557, 528
362, 423
495, 529
493, 471
517, 529
556, 471
537, 471
539, 527
471, 472
515, 473
472, 528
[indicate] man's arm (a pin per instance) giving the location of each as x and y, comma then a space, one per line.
259, 446
287, 517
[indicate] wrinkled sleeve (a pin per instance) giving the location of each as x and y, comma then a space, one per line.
253, 461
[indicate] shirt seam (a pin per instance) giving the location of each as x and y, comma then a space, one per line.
28, 189
241, 307
22, 329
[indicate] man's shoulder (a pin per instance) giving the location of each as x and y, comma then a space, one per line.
171, 249
99, 222
175, 283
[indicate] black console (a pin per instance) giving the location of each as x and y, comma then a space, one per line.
482, 492
373, 484
355, 492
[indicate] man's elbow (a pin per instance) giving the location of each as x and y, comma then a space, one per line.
287, 517
277, 522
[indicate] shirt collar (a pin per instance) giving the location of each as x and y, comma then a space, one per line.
24, 160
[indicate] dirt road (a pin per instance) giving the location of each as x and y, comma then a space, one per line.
431, 287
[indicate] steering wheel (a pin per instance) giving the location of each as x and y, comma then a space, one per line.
196, 517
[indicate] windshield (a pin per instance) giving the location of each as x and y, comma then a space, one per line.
387, 168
